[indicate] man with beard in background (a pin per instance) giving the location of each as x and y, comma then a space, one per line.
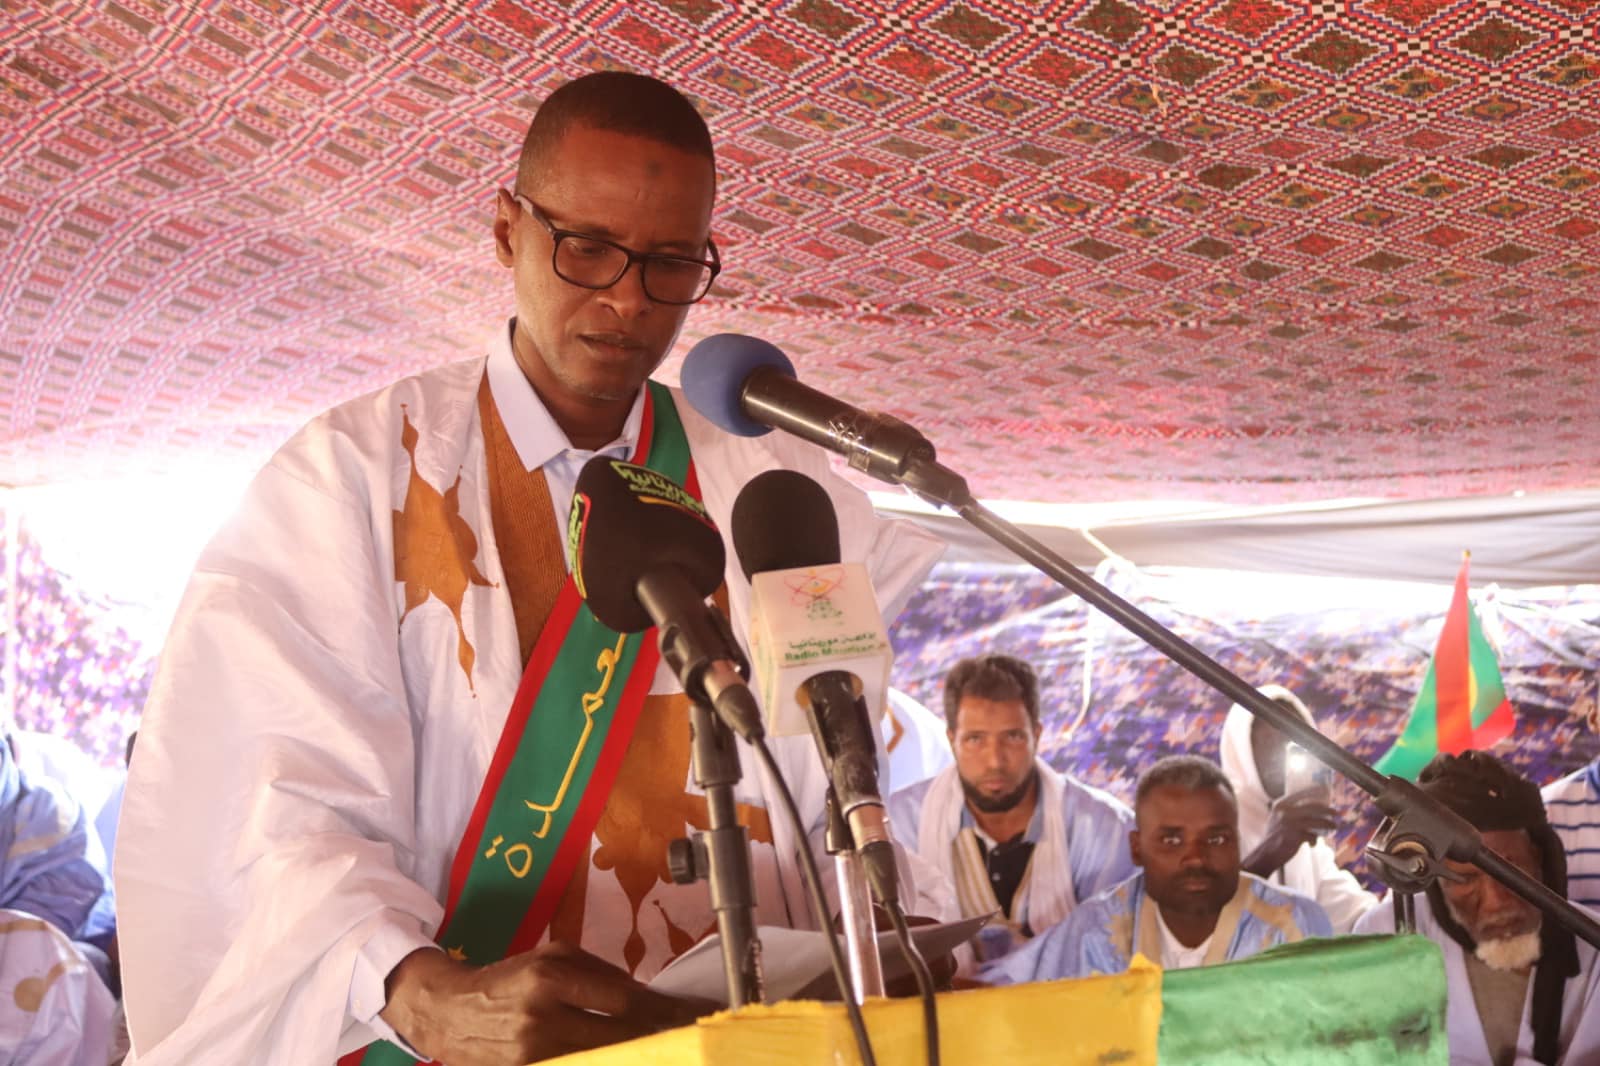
1190, 904
1522, 988
1014, 837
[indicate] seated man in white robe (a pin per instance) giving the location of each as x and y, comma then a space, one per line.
1573, 804
1282, 822
1012, 835
397, 790
1522, 989
1189, 905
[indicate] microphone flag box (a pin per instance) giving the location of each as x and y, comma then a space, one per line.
810, 619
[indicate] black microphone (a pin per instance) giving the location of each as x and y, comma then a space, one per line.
645, 553
748, 387
784, 521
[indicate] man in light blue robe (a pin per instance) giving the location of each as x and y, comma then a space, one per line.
51, 863
1190, 905
54, 900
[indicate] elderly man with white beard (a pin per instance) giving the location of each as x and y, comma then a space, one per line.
1522, 989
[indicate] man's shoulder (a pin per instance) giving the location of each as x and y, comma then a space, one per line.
1306, 910
1093, 916
906, 805
1267, 891
1576, 789
1075, 791
415, 414
416, 396
1376, 919
1118, 897
914, 794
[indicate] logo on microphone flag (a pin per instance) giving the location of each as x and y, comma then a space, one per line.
1462, 703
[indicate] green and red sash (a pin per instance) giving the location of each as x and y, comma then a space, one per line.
563, 742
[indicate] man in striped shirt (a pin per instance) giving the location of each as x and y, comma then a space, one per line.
1573, 804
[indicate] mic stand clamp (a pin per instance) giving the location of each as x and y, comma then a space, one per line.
721, 856
855, 907
1404, 852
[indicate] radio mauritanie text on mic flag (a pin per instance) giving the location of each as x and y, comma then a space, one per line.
1462, 703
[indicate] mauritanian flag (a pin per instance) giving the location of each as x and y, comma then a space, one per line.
1462, 703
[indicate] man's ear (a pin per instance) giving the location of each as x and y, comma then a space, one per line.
950, 735
1133, 847
504, 207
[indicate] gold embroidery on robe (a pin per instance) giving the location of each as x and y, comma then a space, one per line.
435, 551
648, 808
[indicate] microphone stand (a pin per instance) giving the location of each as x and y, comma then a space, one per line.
700, 649
721, 855
1419, 831
855, 906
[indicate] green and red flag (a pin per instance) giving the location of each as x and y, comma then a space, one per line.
1462, 703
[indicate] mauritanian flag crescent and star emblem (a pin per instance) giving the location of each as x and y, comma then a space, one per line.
1462, 703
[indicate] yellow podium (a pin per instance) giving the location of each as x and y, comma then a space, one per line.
1351, 1001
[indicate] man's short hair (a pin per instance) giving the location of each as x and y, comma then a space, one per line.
619, 102
991, 677
1192, 772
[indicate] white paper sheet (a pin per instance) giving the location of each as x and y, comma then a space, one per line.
795, 965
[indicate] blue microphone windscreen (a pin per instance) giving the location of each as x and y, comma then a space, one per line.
714, 373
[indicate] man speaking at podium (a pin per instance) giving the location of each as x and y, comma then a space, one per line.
329, 722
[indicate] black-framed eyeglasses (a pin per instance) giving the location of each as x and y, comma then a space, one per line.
595, 263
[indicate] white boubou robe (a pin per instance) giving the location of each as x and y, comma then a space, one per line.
1580, 1004
311, 750
1312, 871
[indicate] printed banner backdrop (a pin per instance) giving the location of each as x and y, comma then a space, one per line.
78, 673
1355, 651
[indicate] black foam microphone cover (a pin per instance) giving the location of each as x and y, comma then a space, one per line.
781, 520
628, 521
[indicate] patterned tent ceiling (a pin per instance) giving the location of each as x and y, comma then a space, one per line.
1243, 250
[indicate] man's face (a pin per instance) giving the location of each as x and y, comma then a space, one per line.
1187, 840
593, 346
1485, 908
994, 743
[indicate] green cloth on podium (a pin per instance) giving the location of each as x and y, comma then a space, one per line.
1351, 1001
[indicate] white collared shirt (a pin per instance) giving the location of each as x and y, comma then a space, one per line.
537, 438
1174, 956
